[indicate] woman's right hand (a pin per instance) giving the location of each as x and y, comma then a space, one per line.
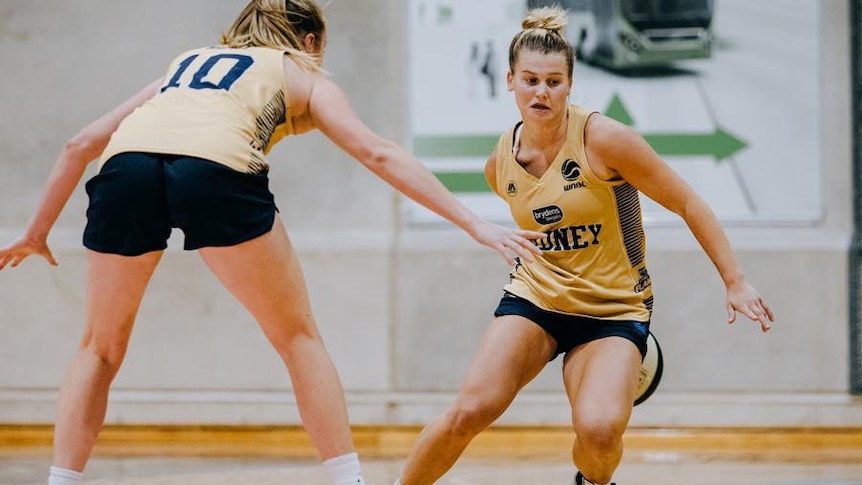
508, 241
18, 250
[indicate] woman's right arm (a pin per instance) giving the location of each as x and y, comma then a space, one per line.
78, 152
332, 113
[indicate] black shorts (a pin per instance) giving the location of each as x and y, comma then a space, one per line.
569, 330
137, 198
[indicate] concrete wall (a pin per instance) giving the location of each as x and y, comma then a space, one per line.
401, 308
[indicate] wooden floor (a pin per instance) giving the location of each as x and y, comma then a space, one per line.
129, 455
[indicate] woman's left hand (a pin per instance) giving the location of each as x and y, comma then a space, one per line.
743, 298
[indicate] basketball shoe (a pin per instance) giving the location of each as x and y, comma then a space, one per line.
580, 480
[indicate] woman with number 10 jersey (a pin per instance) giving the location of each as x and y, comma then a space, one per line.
190, 151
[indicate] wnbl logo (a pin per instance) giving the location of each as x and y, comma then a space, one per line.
571, 171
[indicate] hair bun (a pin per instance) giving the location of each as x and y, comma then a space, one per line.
547, 18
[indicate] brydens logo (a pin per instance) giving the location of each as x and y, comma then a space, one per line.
548, 215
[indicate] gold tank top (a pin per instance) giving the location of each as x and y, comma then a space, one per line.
226, 105
593, 255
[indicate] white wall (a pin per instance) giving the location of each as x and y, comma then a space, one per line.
401, 308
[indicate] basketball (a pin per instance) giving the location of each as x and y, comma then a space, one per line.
651, 370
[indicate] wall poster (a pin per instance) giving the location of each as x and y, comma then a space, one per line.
738, 123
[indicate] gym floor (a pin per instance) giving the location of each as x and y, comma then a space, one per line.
502, 457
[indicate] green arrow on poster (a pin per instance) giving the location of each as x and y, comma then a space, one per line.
464, 182
617, 110
719, 144
454, 146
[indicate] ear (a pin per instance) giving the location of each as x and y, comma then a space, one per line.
510, 81
309, 42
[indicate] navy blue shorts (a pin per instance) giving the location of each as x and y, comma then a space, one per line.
569, 330
137, 198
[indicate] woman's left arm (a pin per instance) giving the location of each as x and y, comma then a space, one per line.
619, 151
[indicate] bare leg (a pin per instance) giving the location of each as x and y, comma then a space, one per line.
512, 352
600, 378
265, 276
115, 286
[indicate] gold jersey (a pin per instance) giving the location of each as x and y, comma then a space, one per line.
230, 106
593, 255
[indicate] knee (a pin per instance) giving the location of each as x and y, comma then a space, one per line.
290, 331
469, 419
292, 341
600, 434
107, 355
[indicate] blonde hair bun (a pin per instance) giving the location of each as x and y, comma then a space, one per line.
547, 18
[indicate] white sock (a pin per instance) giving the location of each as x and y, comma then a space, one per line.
62, 476
344, 470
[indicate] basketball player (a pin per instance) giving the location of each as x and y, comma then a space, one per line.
573, 174
189, 151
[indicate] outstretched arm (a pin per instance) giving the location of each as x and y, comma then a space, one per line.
622, 152
78, 152
333, 115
